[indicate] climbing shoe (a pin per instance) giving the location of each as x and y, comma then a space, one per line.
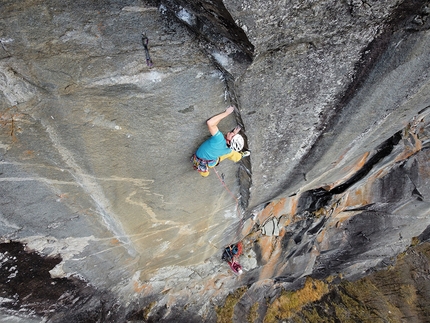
246, 153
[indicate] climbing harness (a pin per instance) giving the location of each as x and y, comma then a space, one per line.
231, 251
200, 164
145, 45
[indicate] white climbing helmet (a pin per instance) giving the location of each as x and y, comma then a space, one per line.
237, 142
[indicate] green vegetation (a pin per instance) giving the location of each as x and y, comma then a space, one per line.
225, 313
291, 302
148, 309
389, 295
253, 313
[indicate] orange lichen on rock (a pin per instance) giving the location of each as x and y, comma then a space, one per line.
355, 198
266, 246
115, 241
320, 236
323, 241
8, 120
362, 195
275, 208
351, 169
278, 208
138, 288
247, 227
287, 221
342, 217
28, 154
271, 254
411, 147
292, 205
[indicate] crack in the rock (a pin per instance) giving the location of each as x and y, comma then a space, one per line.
312, 200
215, 27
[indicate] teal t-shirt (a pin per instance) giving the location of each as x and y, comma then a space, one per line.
213, 148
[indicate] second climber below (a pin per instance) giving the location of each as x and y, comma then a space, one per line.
219, 147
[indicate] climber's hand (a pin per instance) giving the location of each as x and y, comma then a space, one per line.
230, 109
236, 130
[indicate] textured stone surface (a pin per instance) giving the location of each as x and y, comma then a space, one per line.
95, 147
294, 97
389, 295
104, 140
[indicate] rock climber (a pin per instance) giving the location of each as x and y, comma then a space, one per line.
219, 147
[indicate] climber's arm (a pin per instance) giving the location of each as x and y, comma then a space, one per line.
213, 122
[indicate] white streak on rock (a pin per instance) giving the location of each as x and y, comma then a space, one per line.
222, 59
94, 191
137, 79
138, 9
186, 17
15, 89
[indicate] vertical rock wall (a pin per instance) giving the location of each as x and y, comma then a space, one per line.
95, 144
311, 58
95, 147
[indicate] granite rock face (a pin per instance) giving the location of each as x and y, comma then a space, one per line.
95, 144
315, 55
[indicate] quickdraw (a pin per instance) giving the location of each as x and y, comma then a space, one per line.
145, 45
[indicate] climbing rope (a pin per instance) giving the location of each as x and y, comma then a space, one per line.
223, 183
230, 255
232, 195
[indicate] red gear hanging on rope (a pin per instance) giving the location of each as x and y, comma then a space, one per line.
231, 255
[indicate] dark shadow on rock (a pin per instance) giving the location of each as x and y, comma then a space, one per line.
425, 236
312, 200
212, 21
29, 290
